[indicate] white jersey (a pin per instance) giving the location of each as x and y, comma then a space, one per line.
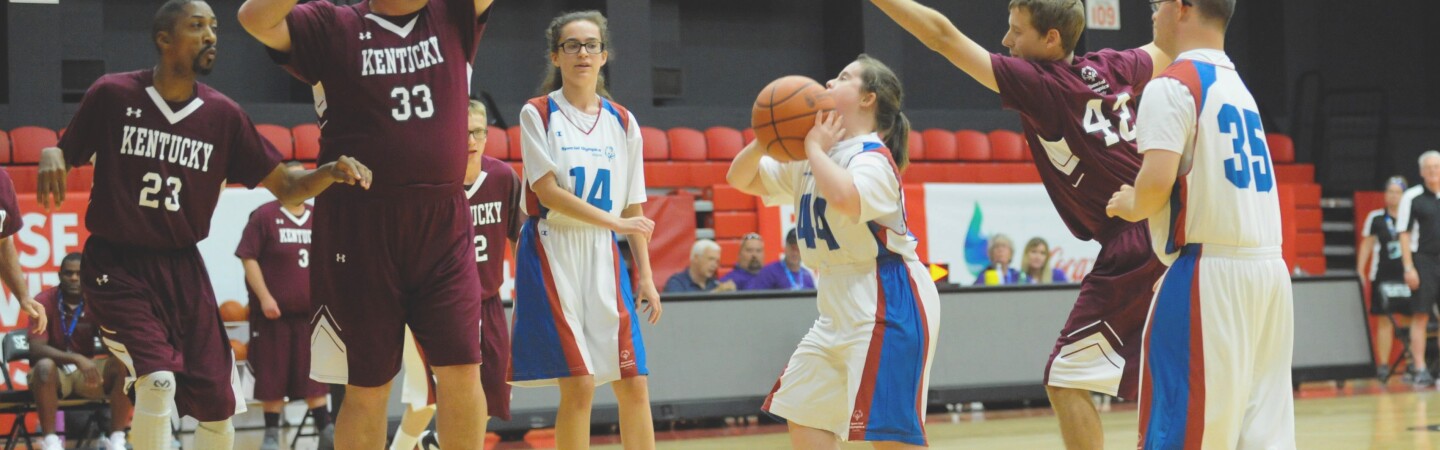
1226, 192
830, 241
593, 156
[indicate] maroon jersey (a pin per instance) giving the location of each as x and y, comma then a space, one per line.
1079, 119
396, 88
280, 243
10, 221
495, 210
159, 166
73, 331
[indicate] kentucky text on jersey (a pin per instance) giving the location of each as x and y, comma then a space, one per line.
387, 61
145, 142
485, 213
294, 236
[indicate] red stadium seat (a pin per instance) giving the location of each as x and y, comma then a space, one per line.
686, 144
279, 137
734, 224
4, 147
726, 198
916, 146
497, 143
1282, 148
939, 145
749, 134
1006, 145
657, 146
722, 143
516, 152
27, 142
971, 145
729, 251
307, 141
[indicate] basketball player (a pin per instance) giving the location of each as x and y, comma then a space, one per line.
1077, 114
575, 319
493, 190
395, 74
275, 251
850, 206
163, 146
10, 274
1218, 344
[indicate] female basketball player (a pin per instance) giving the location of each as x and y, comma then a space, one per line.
876, 300
575, 320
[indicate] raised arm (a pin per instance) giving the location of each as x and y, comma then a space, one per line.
744, 171
265, 19
290, 186
939, 34
1158, 58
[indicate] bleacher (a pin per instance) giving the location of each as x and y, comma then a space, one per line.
693, 160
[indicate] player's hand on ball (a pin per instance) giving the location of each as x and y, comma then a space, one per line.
1121, 203
827, 131
36, 313
636, 225
651, 298
350, 171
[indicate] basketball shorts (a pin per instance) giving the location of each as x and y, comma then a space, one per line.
418, 389
1427, 267
862, 372
574, 307
279, 354
1217, 353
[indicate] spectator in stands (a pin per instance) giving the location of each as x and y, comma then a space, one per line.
1037, 268
1001, 251
1419, 211
752, 259
1382, 230
700, 276
786, 274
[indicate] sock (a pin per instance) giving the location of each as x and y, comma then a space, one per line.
404, 441
321, 414
117, 440
272, 420
51, 441
219, 434
154, 399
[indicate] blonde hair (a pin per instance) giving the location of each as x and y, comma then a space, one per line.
476, 107
1046, 275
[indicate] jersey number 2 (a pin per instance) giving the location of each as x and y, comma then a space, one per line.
599, 192
1246, 165
813, 223
152, 187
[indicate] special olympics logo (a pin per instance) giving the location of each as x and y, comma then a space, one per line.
1090, 74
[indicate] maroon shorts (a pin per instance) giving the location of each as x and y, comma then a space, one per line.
157, 312
280, 358
383, 260
1099, 347
495, 347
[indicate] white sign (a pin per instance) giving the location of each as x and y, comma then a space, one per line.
1102, 14
970, 214
47, 2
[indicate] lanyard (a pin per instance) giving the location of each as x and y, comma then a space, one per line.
795, 285
1390, 223
74, 319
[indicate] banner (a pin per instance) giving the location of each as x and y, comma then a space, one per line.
971, 214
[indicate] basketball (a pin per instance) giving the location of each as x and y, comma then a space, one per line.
242, 351
784, 113
233, 311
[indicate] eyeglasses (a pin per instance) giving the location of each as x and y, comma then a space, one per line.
572, 47
1155, 4
749, 236
477, 133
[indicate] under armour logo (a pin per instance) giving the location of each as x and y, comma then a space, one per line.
102, 280
279, 221
340, 257
132, 112
364, 35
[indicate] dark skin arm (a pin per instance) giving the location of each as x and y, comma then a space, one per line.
40, 349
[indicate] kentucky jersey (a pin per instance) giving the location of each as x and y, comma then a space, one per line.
828, 238
1226, 190
495, 212
1080, 124
597, 157
160, 166
395, 88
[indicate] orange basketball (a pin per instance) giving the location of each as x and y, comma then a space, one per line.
233, 311
242, 351
784, 113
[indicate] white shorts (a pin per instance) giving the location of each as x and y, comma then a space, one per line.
862, 372
574, 308
1217, 353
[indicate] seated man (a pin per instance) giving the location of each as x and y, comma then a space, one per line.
64, 363
700, 276
785, 274
752, 259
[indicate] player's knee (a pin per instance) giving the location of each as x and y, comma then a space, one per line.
43, 372
155, 392
219, 427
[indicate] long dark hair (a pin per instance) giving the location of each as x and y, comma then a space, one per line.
553, 78
889, 120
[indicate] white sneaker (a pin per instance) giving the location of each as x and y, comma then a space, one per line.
51, 442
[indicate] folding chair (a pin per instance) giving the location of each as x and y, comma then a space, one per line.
1394, 299
20, 403
300, 429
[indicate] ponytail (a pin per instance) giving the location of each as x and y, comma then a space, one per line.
897, 138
